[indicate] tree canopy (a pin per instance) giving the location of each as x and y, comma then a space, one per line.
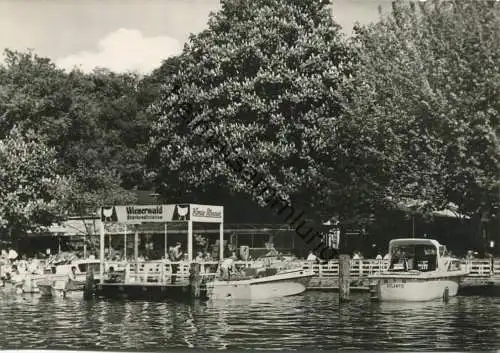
32, 193
262, 79
94, 122
427, 93
408, 108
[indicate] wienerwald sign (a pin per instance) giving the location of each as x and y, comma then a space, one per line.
135, 214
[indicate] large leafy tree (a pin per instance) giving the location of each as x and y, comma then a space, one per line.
33, 194
262, 80
427, 91
93, 121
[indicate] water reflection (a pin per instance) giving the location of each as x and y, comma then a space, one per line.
311, 321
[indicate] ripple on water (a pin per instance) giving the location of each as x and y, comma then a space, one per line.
313, 321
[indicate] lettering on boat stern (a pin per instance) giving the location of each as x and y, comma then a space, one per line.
395, 285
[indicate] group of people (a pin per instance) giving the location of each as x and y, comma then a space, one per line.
14, 268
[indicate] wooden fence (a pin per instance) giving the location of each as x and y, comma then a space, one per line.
364, 268
161, 271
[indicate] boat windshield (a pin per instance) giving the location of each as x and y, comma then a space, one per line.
413, 257
85, 267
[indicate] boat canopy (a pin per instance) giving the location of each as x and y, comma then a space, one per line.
413, 241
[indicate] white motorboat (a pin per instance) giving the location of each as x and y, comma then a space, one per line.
281, 284
62, 288
9, 286
55, 284
419, 270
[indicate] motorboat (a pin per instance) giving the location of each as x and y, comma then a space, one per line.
12, 286
56, 283
62, 289
419, 270
259, 285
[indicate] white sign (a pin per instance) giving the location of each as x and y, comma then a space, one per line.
137, 213
207, 213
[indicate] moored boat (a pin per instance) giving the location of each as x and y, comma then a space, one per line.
258, 287
56, 284
419, 270
10, 286
62, 288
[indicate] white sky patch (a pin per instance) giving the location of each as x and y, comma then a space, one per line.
124, 50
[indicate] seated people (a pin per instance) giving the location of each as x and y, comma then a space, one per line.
113, 277
234, 256
399, 261
199, 257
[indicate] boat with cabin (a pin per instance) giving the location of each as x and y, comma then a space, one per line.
258, 285
419, 270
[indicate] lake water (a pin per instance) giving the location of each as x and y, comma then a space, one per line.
310, 321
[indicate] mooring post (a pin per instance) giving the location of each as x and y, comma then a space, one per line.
195, 279
88, 290
344, 278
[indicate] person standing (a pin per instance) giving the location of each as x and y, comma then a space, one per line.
227, 268
12, 255
312, 257
176, 256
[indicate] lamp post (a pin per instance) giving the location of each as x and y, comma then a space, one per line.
154, 196
413, 226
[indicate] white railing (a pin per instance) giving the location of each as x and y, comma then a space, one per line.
161, 271
364, 268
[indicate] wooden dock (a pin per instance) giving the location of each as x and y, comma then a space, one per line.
150, 291
153, 279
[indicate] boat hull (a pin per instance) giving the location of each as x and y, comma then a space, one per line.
416, 289
45, 290
12, 287
279, 285
62, 293
60, 289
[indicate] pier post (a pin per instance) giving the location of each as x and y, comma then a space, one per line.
344, 278
88, 290
195, 279
136, 245
190, 240
101, 252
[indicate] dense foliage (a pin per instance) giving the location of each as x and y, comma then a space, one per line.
93, 121
408, 108
263, 80
426, 96
32, 193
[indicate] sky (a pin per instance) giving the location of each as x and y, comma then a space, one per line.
125, 35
